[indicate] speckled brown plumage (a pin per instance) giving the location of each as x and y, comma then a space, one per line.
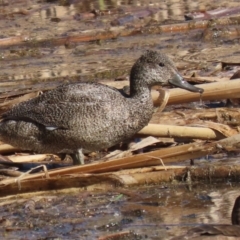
91, 116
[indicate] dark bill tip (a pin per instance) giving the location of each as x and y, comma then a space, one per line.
178, 81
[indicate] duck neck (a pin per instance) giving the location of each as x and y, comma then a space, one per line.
141, 91
140, 95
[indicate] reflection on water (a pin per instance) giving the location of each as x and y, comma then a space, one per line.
150, 212
169, 9
42, 20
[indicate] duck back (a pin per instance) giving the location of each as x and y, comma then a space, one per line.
81, 115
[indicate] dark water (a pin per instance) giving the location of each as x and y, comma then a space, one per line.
147, 212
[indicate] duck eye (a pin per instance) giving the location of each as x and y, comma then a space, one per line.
161, 64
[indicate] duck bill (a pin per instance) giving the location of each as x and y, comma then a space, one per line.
178, 81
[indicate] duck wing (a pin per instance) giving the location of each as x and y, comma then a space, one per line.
55, 108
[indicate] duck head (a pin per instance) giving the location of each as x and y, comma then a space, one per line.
154, 68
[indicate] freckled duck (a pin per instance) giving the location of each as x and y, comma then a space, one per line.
89, 116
